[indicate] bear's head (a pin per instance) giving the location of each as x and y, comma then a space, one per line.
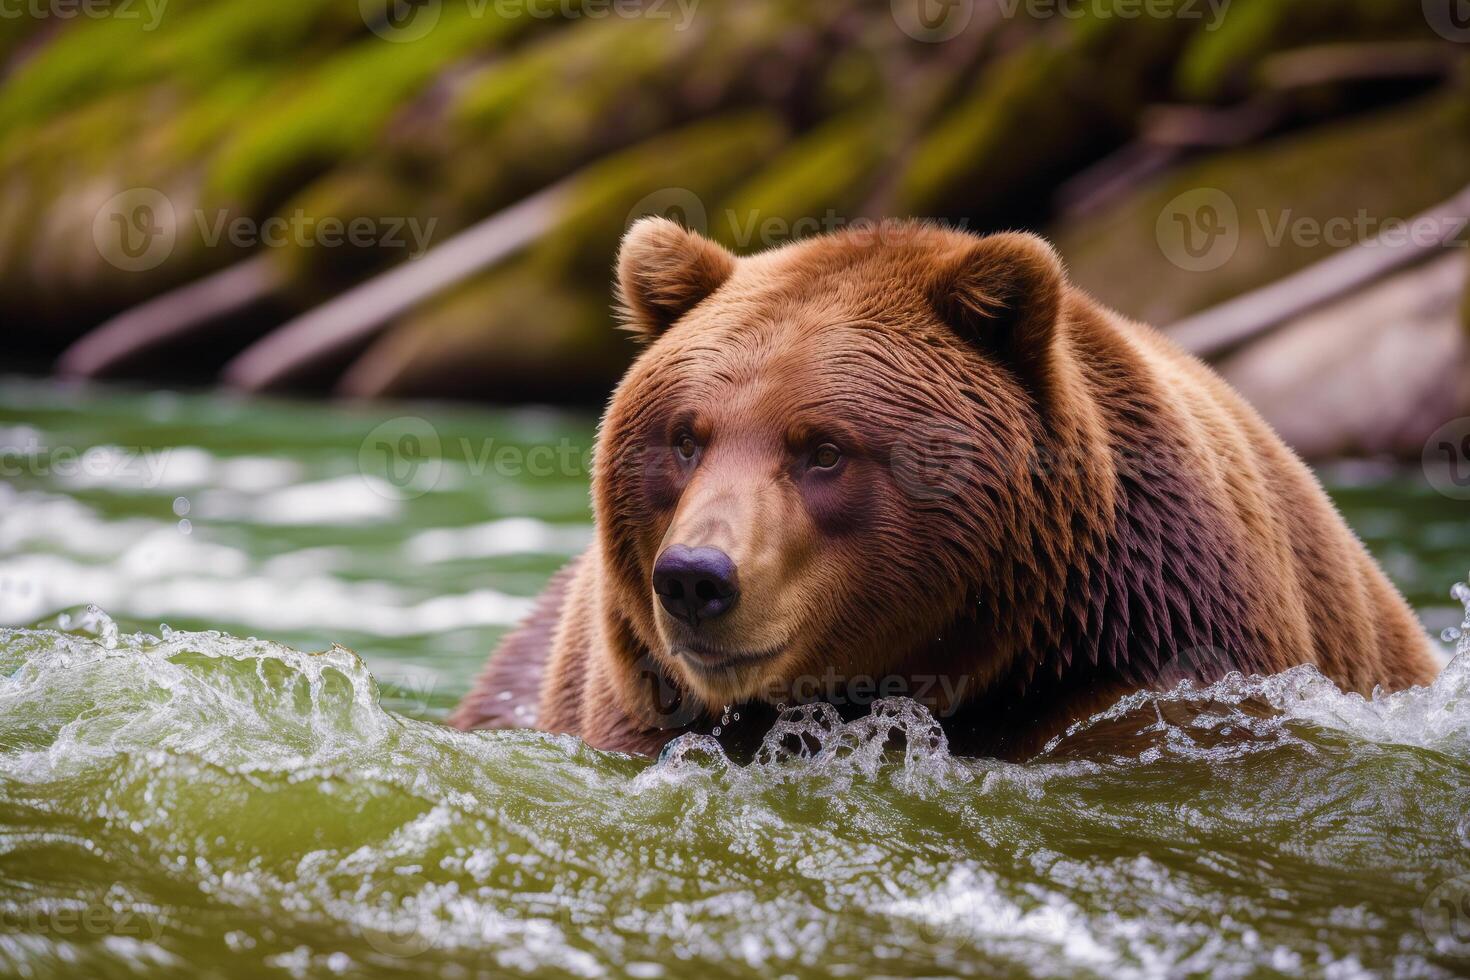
823, 465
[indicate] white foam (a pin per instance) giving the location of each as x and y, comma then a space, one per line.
341, 500
511, 536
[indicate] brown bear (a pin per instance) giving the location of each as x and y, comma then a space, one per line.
908, 460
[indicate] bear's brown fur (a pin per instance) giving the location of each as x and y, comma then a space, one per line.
1037, 506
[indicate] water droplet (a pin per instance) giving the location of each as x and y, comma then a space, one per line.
736, 716
718, 730
1451, 634
181, 506
186, 526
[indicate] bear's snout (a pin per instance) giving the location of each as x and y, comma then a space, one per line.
695, 585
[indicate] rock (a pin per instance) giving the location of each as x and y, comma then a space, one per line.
1375, 373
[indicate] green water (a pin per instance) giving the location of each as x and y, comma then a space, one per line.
193, 802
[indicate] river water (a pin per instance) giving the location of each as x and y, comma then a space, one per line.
238, 793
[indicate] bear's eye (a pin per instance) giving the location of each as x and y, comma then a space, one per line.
686, 447
826, 457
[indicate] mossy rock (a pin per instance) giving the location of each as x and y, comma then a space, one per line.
1217, 62
338, 110
1299, 182
509, 336
814, 185
685, 172
541, 327
1034, 116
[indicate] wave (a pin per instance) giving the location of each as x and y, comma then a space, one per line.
201, 796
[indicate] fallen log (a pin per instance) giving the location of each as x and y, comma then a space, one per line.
1225, 328
1334, 64
362, 312
174, 316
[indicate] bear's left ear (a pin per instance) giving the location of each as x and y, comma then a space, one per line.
1004, 293
663, 273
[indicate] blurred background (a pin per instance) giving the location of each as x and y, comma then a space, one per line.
236, 235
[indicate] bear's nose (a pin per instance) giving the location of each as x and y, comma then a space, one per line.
695, 584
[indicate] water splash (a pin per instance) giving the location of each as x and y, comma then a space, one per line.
209, 799
813, 742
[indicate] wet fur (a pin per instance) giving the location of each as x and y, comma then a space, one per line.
1052, 505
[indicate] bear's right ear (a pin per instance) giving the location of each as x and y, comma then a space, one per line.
663, 273
1004, 294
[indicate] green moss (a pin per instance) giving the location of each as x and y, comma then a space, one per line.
501, 330
1306, 180
824, 171
338, 109
975, 153
1217, 60
699, 163
507, 336
194, 42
